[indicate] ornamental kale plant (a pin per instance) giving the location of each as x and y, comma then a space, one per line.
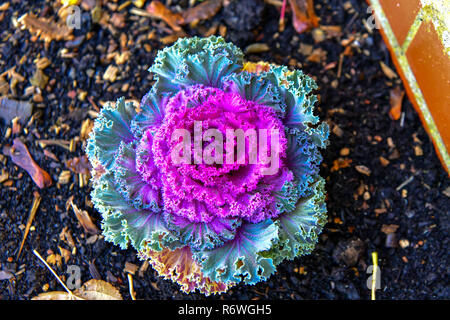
209, 225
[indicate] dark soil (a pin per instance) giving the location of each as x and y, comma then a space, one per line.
356, 105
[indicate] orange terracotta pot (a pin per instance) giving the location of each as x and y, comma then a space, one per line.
417, 34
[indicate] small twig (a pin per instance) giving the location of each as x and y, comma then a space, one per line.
405, 183
402, 119
341, 61
352, 20
54, 273
374, 274
130, 286
34, 207
281, 24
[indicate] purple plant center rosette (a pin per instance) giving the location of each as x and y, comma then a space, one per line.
215, 178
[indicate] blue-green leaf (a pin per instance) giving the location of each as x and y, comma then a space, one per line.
298, 230
129, 182
110, 128
240, 259
193, 61
123, 222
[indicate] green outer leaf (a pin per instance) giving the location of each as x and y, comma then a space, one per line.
240, 257
262, 88
129, 182
297, 89
110, 128
152, 112
123, 223
193, 61
298, 230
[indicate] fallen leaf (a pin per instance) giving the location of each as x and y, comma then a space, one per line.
54, 259
160, 11
91, 290
203, 11
303, 15
395, 99
39, 79
98, 290
46, 29
55, 295
84, 219
9, 109
21, 156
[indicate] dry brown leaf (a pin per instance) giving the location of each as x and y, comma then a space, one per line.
54, 295
160, 11
54, 259
303, 15
98, 290
91, 290
9, 109
84, 219
21, 156
47, 29
395, 99
39, 79
203, 11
